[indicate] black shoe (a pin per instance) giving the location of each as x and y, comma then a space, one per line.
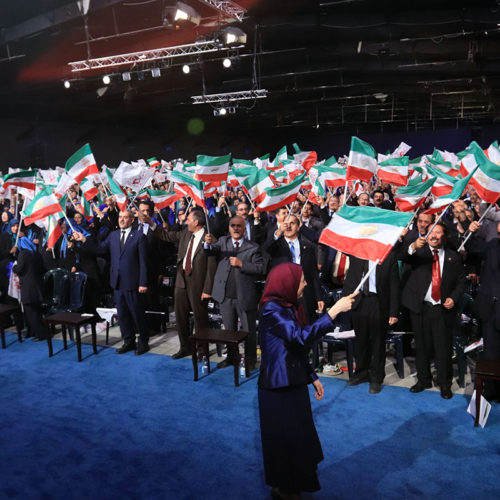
37, 339
420, 386
375, 388
446, 393
126, 348
181, 354
141, 349
225, 363
355, 380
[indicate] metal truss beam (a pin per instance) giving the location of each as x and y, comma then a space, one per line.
227, 7
229, 96
147, 55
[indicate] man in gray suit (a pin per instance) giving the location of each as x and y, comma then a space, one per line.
239, 264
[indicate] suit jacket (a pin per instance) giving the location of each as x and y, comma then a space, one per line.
257, 231
279, 251
386, 281
452, 278
29, 268
285, 343
203, 266
128, 267
252, 266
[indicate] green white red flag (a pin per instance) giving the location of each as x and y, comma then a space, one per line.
88, 189
394, 171
362, 163
409, 198
54, 230
185, 184
212, 168
154, 163
119, 194
281, 196
444, 183
256, 184
163, 199
43, 204
365, 232
307, 159
444, 201
23, 178
81, 164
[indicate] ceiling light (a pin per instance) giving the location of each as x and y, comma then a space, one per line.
226, 62
234, 36
222, 111
185, 14
126, 77
186, 69
106, 80
67, 84
155, 72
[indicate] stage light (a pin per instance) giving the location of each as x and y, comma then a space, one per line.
126, 77
234, 36
185, 14
155, 72
106, 80
226, 63
67, 84
186, 69
140, 75
222, 111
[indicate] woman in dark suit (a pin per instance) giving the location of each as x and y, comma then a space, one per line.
290, 444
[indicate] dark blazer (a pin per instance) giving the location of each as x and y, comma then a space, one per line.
203, 266
221, 227
387, 283
245, 276
279, 251
29, 268
128, 268
452, 278
285, 344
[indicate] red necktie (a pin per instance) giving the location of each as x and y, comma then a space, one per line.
341, 268
436, 278
187, 268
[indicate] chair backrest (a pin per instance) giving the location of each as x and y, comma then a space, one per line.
77, 282
56, 287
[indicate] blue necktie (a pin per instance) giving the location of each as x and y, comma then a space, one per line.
292, 249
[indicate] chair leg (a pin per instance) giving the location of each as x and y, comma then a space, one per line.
107, 332
78, 343
64, 333
207, 354
400, 367
2, 332
194, 357
462, 366
94, 337
50, 333
349, 347
479, 393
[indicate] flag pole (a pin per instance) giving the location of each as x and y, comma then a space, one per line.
290, 211
345, 192
20, 221
469, 234
138, 191
64, 210
435, 223
366, 276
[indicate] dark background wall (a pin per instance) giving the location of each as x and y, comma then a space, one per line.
40, 143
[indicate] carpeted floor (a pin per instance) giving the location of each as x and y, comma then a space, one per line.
128, 427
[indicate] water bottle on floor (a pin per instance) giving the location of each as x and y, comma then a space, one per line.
243, 373
204, 365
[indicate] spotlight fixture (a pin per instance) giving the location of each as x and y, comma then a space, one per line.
226, 63
126, 77
182, 15
186, 69
155, 72
222, 111
67, 84
140, 75
106, 80
232, 36
225, 110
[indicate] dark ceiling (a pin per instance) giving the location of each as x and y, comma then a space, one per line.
338, 64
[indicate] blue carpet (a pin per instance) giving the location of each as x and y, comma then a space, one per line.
127, 427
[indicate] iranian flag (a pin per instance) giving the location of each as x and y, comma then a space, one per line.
243, 163
212, 168
493, 153
44, 204
163, 199
154, 163
281, 156
486, 180
88, 189
81, 164
256, 185
332, 177
23, 178
365, 232
444, 201
119, 194
189, 186
444, 183
281, 196
410, 197
394, 171
54, 230
306, 159
362, 163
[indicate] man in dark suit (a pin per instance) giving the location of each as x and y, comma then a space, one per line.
287, 244
240, 263
195, 275
128, 278
432, 292
373, 311
309, 220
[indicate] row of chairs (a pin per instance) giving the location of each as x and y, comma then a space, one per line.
63, 291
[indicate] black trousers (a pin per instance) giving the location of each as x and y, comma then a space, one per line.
132, 316
433, 332
33, 319
186, 300
370, 327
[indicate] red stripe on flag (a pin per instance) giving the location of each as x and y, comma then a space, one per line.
361, 174
42, 213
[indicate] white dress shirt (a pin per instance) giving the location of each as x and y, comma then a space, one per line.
196, 242
296, 247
